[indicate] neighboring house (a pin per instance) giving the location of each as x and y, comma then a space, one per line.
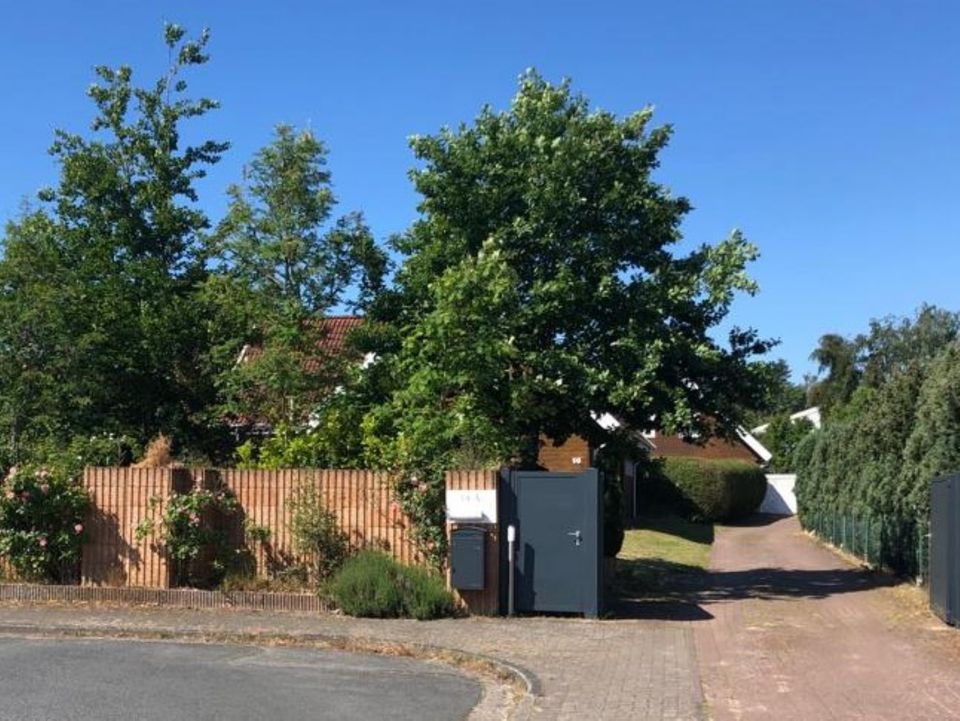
576, 454
808, 414
332, 340
745, 447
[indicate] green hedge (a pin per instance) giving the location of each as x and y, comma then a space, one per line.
712, 490
373, 585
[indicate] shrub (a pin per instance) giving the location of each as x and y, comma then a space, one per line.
317, 534
99, 449
425, 594
42, 512
613, 522
713, 490
189, 534
371, 584
368, 585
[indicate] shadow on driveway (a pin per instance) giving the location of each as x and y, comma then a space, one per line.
665, 590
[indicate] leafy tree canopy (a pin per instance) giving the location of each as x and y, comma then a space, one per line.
281, 266
541, 284
98, 331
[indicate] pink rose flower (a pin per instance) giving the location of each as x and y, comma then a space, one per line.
45, 488
42, 541
78, 528
25, 495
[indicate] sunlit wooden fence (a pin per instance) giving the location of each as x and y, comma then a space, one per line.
363, 502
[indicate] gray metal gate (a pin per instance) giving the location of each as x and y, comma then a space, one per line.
945, 548
558, 519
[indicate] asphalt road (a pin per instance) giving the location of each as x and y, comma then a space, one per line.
87, 680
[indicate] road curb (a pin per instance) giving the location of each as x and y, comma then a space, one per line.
524, 682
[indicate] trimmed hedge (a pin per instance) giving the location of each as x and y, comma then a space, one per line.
712, 490
373, 585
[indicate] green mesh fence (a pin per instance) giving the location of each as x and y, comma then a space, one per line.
901, 545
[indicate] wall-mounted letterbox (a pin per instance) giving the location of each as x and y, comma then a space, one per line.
467, 558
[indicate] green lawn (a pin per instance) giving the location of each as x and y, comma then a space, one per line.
663, 557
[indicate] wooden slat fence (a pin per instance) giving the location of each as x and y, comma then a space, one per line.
362, 501
120, 500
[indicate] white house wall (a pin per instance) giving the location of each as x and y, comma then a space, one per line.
780, 499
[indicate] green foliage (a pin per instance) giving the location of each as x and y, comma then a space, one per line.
280, 270
368, 586
371, 584
781, 439
190, 535
933, 445
890, 348
100, 331
609, 461
71, 457
316, 534
541, 284
877, 453
778, 394
838, 357
425, 594
332, 439
42, 512
714, 490
613, 515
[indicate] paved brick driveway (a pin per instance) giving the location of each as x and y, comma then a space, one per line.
798, 634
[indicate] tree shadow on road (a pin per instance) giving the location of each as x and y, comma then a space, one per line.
659, 589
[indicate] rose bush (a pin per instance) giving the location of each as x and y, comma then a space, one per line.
188, 535
42, 513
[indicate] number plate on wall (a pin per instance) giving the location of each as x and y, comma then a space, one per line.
472, 506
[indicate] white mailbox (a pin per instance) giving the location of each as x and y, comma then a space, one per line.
472, 506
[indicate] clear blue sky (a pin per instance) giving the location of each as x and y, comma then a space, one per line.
828, 131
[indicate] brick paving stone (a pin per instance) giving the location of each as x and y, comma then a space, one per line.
799, 634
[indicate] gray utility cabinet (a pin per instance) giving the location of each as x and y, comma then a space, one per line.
945, 548
467, 559
559, 541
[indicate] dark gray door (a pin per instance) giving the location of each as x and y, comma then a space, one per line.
940, 543
559, 522
945, 548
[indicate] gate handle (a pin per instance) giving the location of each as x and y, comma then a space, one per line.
577, 536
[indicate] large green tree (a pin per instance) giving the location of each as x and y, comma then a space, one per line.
281, 265
99, 328
542, 284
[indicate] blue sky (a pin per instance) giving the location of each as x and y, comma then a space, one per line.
827, 131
